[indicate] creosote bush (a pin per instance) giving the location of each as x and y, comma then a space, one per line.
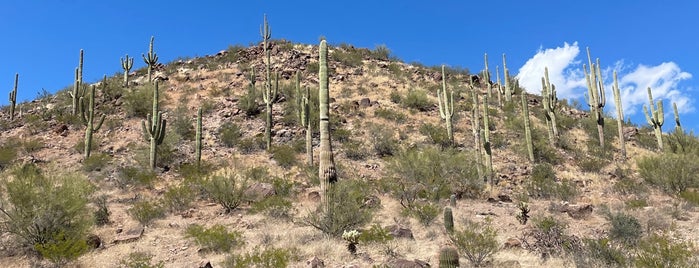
418, 100
346, 211
269, 257
227, 189
543, 184
216, 238
476, 241
145, 212
284, 155
230, 134
140, 259
549, 238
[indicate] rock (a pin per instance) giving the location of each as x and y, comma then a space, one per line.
129, 235
512, 243
314, 196
365, 102
403, 263
205, 264
400, 232
577, 211
630, 132
315, 262
504, 198
61, 129
94, 241
259, 190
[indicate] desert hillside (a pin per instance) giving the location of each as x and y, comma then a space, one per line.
415, 196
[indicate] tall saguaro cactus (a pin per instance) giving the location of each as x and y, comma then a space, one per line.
476, 130
198, 138
596, 98
486, 143
678, 126
527, 127
88, 117
126, 64
154, 127
151, 59
486, 77
619, 116
446, 106
77, 85
550, 103
269, 95
508, 87
13, 98
304, 116
326, 165
655, 118
499, 89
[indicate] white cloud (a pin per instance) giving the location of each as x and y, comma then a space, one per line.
563, 72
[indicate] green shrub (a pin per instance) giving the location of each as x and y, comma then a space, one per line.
135, 175
346, 210
275, 207
625, 228
543, 184
140, 260
101, 215
268, 257
396, 97
390, 114
341, 135
182, 122
375, 234
437, 135
601, 253
216, 238
418, 100
227, 190
382, 139
96, 162
251, 144
138, 102
424, 212
682, 143
658, 251
355, 150
549, 238
476, 241
284, 155
230, 134
248, 103
178, 198
32, 145
145, 212
8, 153
672, 173
49, 213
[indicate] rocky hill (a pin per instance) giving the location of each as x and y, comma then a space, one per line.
576, 203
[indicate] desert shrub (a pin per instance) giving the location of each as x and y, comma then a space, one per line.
543, 184
418, 100
424, 212
32, 145
79, 146
140, 260
8, 153
476, 241
549, 238
396, 97
346, 210
672, 173
601, 253
390, 114
182, 122
138, 102
96, 162
251, 144
284, 155
226, 189
178, 198
275, 207
680, 142
348, 57
136, 175
382, 140
375, 234
660, 251
355, 150
101, 215
625, 228
230, 134
248, 103
341, 135
437, 134
49, 213
380, 52
216, 238
269, 257
145, 212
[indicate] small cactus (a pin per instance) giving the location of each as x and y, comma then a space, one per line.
352, 238
151, 59
655, 118
452, 200
126, 64
304, 117
448, 257
13, 98
508, 88
448, 220
523, 215
486, 143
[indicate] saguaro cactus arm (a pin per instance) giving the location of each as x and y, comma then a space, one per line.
151, 59
655, 118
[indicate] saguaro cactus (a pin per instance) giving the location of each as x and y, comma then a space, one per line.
476, 130
446, 106
304, 116
550, 103
596, 98
448, 220
486, 77
508, 87
448, 257
269, 95
486, 143
198, 138
154, 127
326, 165
655, 118
78, 90
13, 98
126, 64
499, 89
619, 116
151, 59
678, 126
527, 127
88, 117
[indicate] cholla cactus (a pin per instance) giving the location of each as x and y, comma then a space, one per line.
352, 238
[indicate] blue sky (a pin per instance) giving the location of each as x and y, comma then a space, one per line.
651, 43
